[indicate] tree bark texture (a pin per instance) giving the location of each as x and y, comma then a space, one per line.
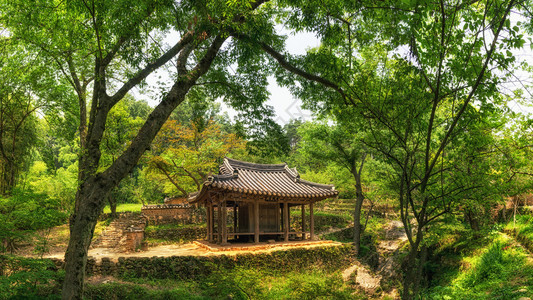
95, 187
90, 202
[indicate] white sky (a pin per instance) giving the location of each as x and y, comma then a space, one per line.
285, 105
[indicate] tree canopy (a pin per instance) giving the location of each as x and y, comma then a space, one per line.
414, 87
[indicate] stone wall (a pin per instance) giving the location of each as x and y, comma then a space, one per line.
167, 213
120, 215
134, 238
173, 214
190, 267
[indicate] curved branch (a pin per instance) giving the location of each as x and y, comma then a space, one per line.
143, 73
284, 63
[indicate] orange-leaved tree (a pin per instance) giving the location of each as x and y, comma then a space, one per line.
184, 155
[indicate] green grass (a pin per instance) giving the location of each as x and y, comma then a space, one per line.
237, 284
523, 222
500, 270
125, 207
522, 229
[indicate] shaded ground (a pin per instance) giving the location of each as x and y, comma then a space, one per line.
56, 241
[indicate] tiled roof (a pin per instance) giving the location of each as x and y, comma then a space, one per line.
263, 179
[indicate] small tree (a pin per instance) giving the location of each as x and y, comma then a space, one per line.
341, 145
189, 155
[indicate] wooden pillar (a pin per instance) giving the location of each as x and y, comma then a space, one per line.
256, 221
311, 222
235, 218
224, 223
208, 220
219, 221
212, 215
303, 222
286, 224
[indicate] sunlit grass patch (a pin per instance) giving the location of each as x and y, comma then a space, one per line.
244, 283
99, 228
522, 229
501, 270
125, 207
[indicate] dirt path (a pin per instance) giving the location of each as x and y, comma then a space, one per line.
369, 281
189, 249
363, 277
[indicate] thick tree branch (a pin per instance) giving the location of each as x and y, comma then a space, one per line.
142, 74
293, 69
189, 174
160, 114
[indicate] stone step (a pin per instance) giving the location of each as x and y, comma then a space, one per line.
114, 235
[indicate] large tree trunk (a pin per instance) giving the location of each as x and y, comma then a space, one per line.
95, 187
414, 272
90, 201
411, 273
414, 267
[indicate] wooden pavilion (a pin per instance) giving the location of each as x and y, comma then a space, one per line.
259, 198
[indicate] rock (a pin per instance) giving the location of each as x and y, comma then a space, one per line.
348, 272
363, 277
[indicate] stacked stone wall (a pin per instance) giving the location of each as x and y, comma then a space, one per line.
190, 267
172, 214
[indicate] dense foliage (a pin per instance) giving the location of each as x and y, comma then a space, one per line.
22, 214
412, 104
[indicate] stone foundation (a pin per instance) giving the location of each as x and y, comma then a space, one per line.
167, 213
134, 238
262, 246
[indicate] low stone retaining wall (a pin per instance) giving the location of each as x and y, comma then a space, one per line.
168, 213
190, 267
134, 238
183, 234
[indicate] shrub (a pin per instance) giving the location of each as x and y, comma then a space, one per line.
323, 221
499, 271
22, 214
29, 278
